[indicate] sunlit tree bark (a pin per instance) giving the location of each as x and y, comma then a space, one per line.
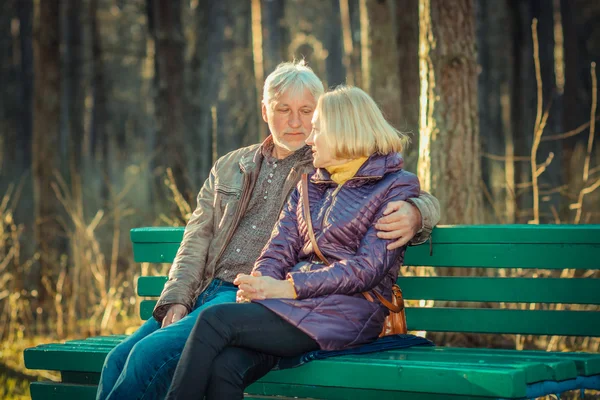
449, 154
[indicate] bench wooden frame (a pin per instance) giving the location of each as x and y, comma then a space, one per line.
416, 373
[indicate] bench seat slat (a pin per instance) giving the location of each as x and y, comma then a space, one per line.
588, 364
538, 368
444, 378
344, 393
509, 290
64, 391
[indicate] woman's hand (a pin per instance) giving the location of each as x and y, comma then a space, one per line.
258, 287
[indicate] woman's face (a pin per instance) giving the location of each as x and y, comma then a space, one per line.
322, 153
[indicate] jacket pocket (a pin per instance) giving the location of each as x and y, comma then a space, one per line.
226, 201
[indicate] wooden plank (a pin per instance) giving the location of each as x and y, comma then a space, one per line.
343, 393
482, 320
517, 233
510, 290
490, 381
537, 368
588, 364
487, 320
61, 391
57, 358
473, 289
513, 233
151, 285
157, 234
155, 252
146, 308
80, 378
547, 256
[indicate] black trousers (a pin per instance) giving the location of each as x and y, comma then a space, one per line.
232, 346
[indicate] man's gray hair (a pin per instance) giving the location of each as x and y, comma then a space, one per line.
291, 76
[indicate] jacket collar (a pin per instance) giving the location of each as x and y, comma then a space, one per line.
250, 162
376, 166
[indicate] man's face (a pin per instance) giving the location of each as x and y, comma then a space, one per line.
289, 118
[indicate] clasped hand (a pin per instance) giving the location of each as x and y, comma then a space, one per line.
258, 287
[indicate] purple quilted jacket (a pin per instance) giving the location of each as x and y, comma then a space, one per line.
330, 307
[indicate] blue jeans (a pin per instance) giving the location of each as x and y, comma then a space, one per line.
142, 366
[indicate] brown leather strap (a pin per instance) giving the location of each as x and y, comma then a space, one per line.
390, 306
313, 240
307, 218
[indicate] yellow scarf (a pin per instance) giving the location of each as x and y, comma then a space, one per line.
341, 173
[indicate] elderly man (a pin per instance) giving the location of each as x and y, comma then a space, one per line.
237, 208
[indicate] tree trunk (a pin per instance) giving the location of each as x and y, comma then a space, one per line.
380, 77
273, 34
550, 179
25, 10
198, 133
8, 91
97, 167
581, 48
496, 81
407, 43
46, 136
74, 89
226, 116
333, 40
170, 101
449, 151
24, 146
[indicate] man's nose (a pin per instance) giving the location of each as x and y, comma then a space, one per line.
294, 120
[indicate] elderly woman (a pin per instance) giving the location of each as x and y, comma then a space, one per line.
298, 303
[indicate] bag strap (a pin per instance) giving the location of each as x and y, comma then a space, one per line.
307, 218
313, 240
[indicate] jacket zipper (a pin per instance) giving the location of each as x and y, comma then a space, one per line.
337, 190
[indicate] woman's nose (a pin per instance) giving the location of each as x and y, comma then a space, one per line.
309, 139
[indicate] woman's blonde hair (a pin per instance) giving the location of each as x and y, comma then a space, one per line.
293, 77
354, 125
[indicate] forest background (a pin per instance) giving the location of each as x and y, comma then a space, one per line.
113, 111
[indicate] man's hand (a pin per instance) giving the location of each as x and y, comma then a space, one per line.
401, 222
175, 313
258, 287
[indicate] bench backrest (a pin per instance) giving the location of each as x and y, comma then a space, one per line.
568, 255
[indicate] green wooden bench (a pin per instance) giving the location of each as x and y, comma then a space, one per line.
417, 373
